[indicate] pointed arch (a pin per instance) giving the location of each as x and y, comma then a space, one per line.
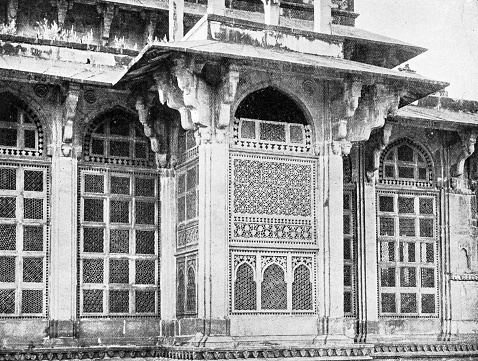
245, 292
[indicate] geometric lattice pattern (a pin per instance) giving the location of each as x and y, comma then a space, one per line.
302, 289
117, 253
349, 250
406, 248
23, 239
274, 289
245, 288
187, 193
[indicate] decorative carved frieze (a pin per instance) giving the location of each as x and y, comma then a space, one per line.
461, 150
71, 103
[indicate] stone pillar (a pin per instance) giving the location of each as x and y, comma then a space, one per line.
168, 246
176, 15
12, 11
213, 241
334, 252
63, 246
322, 16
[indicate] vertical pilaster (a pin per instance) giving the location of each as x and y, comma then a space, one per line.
12, 11
63, 246
213, 240
322, 16
168, 245
176, 15
334, 244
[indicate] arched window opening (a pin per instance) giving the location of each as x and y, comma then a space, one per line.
24, 202
464, 261
116, 137
302, 289
191, 291
405, 163
274, 289
407, 232
245, 292
267, 119
20, 131
119, 221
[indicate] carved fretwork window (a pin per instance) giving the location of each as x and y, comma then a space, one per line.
349, 251
187, 189
119, 243
24, 230
20, 132
186, 286
187, 146
285, 283
407, 234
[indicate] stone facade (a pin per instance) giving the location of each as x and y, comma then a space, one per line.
248, 190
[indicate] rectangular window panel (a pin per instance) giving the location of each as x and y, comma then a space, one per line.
428, 303
119, 241
119, 148
8, 137
407, 252
347, 220
145, 301
347, 275
119, 271
347, 249
8, 236
93, 210
406, 172
144, 187
94, 183
296, 134
408, 277
7, 269
119, 301
32, 301
272, 132
191, 178
386, 204
8, 178
428, 277
145, 212
388, 303
406, 205
97, 146
422, 174
7, 301
33, 270
191, 205
30, 139
406, 227
426, 205
387, 277
33, 208
140, 150
144, 242
92, 301
387, 226
408, 303
93, 270
145, 272
387, 251
347, 302
389, 171
426, 227
119, 211
7, 207
120, 185
248, 130
347, 202
93, 239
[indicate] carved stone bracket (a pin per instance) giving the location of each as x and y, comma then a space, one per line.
376, 103
197, 95
142, 107
151, 22
170, 94
460, 151
71, 103
62, 7
228, 91
379, 143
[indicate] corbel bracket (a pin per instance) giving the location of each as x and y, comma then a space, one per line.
71, 103
12, 11
460, 151
170, 94
196, 92
344, 107
376, 103
379, 143
228, 91
142, 107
